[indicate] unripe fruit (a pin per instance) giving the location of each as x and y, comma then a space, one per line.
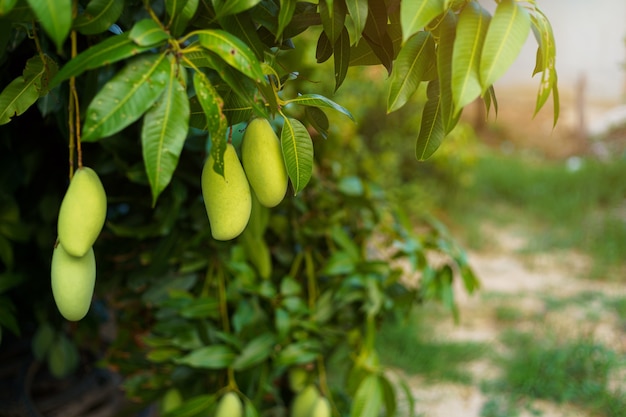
82, 213
171, 400
227, 199
298, 378
321, 408
73, 280
229, 406
262, 158
304, 402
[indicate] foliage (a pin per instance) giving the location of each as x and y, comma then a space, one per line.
577, 371
158, 85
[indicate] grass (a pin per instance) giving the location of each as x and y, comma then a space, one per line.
563, 208
577, 371
409, 344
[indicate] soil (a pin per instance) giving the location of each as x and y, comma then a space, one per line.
523, 282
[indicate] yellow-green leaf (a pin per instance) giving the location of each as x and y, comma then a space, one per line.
55, 17
416, 14
126, 97
164, 131
505, 38
298, 153
470, 35
431, 130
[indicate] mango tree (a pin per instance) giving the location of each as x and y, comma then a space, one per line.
243, 272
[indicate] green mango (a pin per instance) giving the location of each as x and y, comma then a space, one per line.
73, 281
171, 400
227, 198
298, 378
229, 406
82, 213
262, 159
258, 253
321, 408
304, 403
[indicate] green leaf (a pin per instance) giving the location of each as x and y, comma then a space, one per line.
193, 407
333, 19
147, 32
8, 318
368, 399
341, 54
318, 119
164, 131
162, 355
233, 51
6, 6
298, 153
55, 17
113, 49
212, 105
174, 7
412, 62
389, 396
358, 13
470, 35
414, 15
255, 352
320, 101
296, 353
126, 97
431, 130
377, 36
182, 18
363, 54
445, 50
98, 16
23, 92
243, 27
285, 14
229, 7
546, 61
324, 48
505, 38
209, 357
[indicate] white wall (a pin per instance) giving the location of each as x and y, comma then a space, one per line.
590, 36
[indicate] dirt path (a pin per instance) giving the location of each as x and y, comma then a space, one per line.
521, 283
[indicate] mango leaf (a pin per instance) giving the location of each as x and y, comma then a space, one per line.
126, 97
179, 22
248, 409
377, 36
504, 40
229, 7
255, 352
208, 357
23, 92
490, 99
233, 51
147, 32
368, 399
412, 62
431, 130
298, 153
285, 14
358, 13
244, 88
174, 7
193, 407
389, 396
243, 27
546, 60
363, 54
6, 6
333, 19
324, 49
164, 131
341, 54
318, 119
445, 50
55, 17
471, 31
113, 49
414, 15
98, 16
212, 105
320, 101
